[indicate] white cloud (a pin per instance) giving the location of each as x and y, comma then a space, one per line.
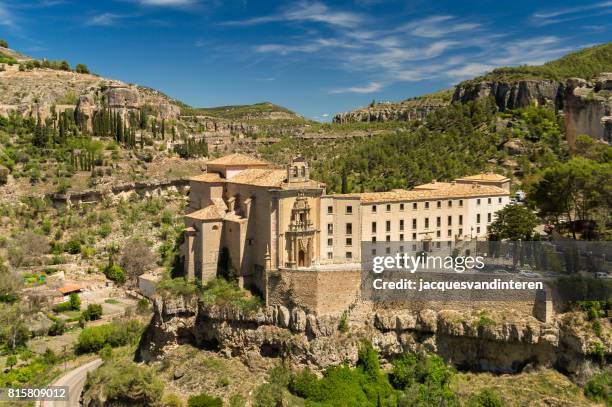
369, 88
325, 115
306, 11
104, 20
469, 71
437, 26
572, 10
6, 19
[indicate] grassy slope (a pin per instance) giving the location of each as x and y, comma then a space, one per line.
586, 63
240, 112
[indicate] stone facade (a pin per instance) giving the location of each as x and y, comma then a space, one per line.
284, 237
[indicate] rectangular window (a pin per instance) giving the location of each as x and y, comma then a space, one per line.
330, 255
449, 220
349, 241
414, 236
388, 226
461, 219
499, 200
489, 201
349, 210
349, 228
478, 218
426, 205
373, 208
438, 222
330, 228
438, 233
414, 223
439, 204
461, 202
460, 232
373, 239
388, 208
401, 226
387, 250
388, 238
478, 230
401, 207
478, 201
489, 217
373, 252
401, 237
330, 210
450, 204
373, 227
414, 206
349, 255
450, 233
330, 242
426, 223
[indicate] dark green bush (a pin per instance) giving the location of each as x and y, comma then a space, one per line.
599, 388
204, 400
115, 273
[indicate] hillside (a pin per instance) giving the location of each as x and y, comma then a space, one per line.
257, 111
410, 109
586, 63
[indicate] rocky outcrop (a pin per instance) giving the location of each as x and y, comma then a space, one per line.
384, 113
316, 342
588, 108
513, 95
124, 100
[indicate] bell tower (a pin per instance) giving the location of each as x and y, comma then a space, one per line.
298, 170
301, 234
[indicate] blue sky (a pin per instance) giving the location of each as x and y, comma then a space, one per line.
314, 57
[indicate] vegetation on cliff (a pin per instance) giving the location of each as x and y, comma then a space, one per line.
586, 63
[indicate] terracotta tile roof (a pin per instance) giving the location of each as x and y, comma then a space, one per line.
211, 212
263, 177
442, 191
207, 177
69, 288
488, 176
238, 159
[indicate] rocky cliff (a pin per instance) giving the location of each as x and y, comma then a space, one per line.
481, 341
513, 94
408, 110
588, 108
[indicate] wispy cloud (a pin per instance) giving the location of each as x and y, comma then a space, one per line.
105, 20
6, 18
437, 26
306, 11
565, 14
371, 87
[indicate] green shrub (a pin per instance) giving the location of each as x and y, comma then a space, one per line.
75, 302
223, 293
115, 334
343, 324
126, 383
143, 306
237, 400
63, 307
115, 273
58, 328
93, 312
599, 388
486, 398
204, 400
73, 247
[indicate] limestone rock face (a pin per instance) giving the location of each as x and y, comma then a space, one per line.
121, 96
513, 95
382, 113
314, 341
588, 108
